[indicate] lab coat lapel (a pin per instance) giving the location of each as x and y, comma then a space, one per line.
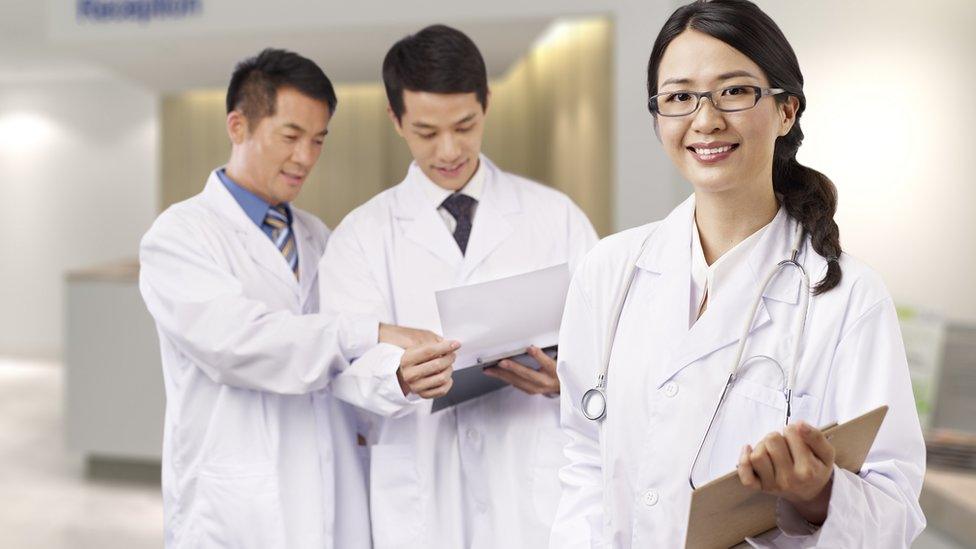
723, 322
668, 257
257, 244
776, 246
308, 258
421, 222
491, 225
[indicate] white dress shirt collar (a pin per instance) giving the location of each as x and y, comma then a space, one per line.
437, 194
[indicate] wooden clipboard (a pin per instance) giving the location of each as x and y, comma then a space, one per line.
724, 512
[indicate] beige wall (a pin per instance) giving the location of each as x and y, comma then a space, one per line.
549, 119
550, 116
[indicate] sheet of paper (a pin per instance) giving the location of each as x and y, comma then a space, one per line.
504, 316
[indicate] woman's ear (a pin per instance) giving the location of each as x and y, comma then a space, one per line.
787, 111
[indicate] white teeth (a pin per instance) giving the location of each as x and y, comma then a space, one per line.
709, 152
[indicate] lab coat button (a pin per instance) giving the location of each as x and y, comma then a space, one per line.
670, 388
472, 435
650, 498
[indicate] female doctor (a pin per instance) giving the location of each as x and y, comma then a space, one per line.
664, 307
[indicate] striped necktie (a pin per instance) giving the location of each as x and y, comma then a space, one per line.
282, 235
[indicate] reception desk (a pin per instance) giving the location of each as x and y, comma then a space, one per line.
114, 396
949, 502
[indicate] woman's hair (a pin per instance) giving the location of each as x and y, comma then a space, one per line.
808, 195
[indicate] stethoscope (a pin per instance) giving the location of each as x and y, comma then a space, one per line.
594, 401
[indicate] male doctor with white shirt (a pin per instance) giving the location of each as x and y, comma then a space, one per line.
482, 474
256, 452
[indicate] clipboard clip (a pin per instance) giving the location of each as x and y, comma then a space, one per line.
491, 360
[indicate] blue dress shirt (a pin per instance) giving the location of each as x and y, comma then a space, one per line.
254, 206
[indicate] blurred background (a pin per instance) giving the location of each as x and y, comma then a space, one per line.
111, 110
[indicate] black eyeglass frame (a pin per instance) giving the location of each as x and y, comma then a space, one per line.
758, 91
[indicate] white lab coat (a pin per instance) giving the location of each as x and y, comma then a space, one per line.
627, 481
482, 475
252, 444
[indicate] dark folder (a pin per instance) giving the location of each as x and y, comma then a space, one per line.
472, 382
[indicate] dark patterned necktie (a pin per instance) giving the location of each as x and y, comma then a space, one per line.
282, 236
460, 206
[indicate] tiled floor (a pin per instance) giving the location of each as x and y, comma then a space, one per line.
49, 503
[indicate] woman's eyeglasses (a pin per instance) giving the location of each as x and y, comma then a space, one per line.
730, 99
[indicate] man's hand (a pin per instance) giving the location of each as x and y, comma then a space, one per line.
796, 466
533, 382
406, 337
426, 369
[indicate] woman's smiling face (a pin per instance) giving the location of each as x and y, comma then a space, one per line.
719, 151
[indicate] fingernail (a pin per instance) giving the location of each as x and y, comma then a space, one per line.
455, 345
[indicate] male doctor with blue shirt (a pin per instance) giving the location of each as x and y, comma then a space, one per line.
253, 439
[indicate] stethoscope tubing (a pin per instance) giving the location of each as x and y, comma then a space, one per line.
597, 395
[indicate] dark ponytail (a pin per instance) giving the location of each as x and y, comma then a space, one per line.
811, 198
808, 195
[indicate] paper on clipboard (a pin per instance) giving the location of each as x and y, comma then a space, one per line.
505, 315
499, 319
724, 512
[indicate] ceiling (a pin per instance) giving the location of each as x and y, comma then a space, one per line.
25, 53
170, 64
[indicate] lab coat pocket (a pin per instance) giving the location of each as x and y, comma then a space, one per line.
751, 411
237, 507
545, 486
396, 506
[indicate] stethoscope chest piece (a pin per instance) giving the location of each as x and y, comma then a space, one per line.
594, 404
